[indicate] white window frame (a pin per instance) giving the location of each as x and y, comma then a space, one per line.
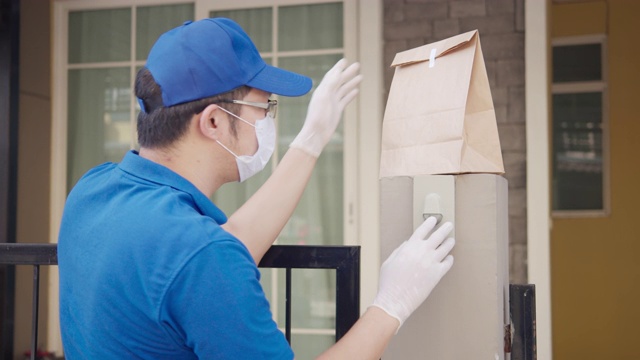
363, 121
584, 87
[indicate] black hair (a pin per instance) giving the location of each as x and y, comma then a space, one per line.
161, 126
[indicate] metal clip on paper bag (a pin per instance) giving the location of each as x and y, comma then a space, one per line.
439, 117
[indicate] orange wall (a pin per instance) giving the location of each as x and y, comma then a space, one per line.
595, 262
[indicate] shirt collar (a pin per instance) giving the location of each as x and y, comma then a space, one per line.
140, 167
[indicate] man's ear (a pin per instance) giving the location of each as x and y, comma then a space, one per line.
212, 121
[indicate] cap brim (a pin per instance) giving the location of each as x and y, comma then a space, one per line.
281, 82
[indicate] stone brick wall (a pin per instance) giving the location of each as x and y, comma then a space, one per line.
411, 23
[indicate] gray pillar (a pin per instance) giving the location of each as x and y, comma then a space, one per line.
465, 316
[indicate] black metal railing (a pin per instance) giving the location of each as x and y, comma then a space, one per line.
522, 305
344, 259
35, 255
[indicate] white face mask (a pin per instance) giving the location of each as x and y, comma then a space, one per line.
249, 165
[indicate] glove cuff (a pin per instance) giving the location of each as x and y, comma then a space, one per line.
308, 143
381, 307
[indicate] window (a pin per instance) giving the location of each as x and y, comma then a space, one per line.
106, 47
580, 137
99, 47
315, 45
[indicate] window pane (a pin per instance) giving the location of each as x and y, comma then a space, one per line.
100, 35
310, 346
153, 21
310, 27
293, 110
313, 303
577, 63
266, 275
257, 23
232, 195
99, 127
137, 109
318, 218
577, 148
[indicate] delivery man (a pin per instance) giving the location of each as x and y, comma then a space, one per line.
150, 268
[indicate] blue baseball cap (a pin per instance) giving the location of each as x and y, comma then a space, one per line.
213, 56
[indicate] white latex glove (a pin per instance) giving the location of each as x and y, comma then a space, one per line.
414, 269
338, 87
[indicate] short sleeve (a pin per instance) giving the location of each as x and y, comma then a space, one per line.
217, 307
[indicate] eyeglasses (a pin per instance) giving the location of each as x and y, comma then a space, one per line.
271, 106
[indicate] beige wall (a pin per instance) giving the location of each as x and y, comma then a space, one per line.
33, 159
595, 270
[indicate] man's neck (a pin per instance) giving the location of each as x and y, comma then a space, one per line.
188, 164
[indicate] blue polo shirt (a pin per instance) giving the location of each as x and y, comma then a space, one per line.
146, 272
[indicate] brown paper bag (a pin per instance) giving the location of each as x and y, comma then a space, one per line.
439, 117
